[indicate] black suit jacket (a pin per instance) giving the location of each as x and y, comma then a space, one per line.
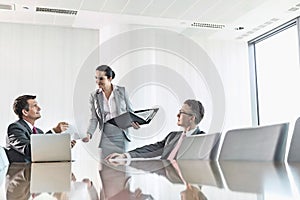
18, 141
162, 148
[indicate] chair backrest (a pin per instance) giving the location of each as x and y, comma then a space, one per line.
200, 147
294, 155
4, 163
3, 159
263, 143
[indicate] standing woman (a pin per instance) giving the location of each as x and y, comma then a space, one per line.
107, 102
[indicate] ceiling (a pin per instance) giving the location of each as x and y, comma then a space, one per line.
223, 19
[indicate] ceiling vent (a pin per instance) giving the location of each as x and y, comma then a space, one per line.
207, 25
55, 10
7, 7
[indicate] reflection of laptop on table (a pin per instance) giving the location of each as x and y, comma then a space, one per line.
140, 116
50, 177
50, 147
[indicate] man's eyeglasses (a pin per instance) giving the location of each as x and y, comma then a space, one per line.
100, 78
181, 112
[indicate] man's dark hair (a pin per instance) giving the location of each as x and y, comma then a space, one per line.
21, 103
197, 109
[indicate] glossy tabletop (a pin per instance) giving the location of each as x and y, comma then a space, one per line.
151, 179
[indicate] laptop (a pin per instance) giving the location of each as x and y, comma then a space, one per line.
50, 147
50, 177
201, 147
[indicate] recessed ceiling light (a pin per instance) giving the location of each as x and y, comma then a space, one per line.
207, 25
7, 6
55, 10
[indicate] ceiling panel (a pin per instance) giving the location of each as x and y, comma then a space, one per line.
157, 7
24, 17
230, 10
251, 14
114, 6
92, 5
42, 18
191, 32
6, 16
64, 20
48, 3
197, 9
136, 6
178, 8
74, 4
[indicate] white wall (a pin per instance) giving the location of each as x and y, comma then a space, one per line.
231, 60
44, 61
159, 68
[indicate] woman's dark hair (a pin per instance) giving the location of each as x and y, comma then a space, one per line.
108, 71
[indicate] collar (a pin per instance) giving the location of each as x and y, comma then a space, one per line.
190, 132
99, 90
30, 125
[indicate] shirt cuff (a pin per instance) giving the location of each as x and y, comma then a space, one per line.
128, 159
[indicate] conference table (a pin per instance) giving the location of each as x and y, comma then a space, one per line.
151, 179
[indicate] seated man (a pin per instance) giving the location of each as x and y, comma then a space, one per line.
189, 117
18, 133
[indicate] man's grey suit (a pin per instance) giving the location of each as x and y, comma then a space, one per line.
162, 148
18, 141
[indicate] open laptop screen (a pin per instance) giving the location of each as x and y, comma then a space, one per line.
50, 147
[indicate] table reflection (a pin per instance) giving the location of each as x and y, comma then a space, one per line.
260, 178
152, 179
46, 181
18, 182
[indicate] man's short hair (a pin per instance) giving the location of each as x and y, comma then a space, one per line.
21, 103
197, 109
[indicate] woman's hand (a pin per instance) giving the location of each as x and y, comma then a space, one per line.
87, 138
135, 125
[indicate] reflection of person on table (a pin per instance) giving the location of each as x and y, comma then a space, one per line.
115, 183
18, 181
79, 190
18, 133
168, 169
107, 102
191, 192
189, 116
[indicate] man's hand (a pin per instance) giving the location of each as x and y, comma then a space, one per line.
73, 142
110, 159
115, 156
61, 127
87, 138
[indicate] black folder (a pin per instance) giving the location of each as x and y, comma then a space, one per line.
124, 120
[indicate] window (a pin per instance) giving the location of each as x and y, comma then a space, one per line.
277, 75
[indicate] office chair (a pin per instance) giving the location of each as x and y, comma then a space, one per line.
263, 143
294, 155
200, 147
